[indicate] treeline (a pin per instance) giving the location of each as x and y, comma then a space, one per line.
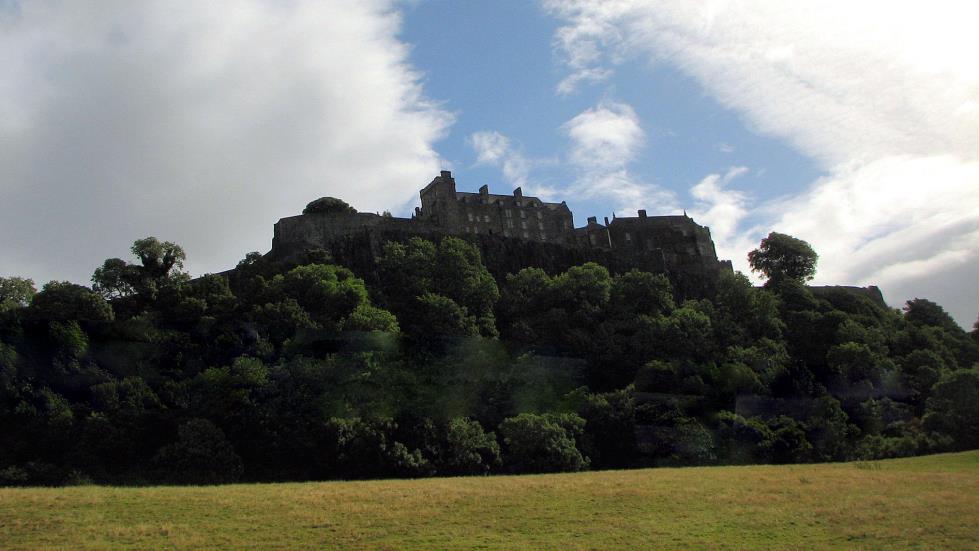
305, 372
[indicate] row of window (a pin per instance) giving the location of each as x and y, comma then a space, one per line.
507, 233
508, 213
509, 223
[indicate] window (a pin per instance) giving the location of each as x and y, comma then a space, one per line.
628, 238
467, 229
543, 237
475, 229
509, 213
523, 214
470, 216
523, 224
509, 223
591, 238
506, 233
540, 215
486, 218
526, 235
540, 225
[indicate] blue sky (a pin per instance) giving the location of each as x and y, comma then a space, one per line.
854, 126
495, 70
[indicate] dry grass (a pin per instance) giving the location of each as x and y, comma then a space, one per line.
921, 503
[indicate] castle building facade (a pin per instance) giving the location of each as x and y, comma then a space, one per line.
525, 217
513, 215
527, 230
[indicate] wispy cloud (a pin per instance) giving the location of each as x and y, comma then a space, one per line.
884, 96
495, 149
591, 75
724, 209
604, 140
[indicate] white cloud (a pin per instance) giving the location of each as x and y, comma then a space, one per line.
605, 137
723, 210
604, 141
592, 75
200, 123
494, 149
490, 146
882, 95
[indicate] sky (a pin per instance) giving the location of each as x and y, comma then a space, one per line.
851, 125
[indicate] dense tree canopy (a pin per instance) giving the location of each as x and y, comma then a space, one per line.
428, 365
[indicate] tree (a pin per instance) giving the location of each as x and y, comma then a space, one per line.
160, 263
201, 455
742, 441
329, 293
921, 311
610, 427
115, 278
159, 260
15, 292
467, 449
64, 301
743, 313
438, 315
919, 372
641, 293
329, 205
543, 443
366, 317
782, 256
422, 281
367, 448
953, 408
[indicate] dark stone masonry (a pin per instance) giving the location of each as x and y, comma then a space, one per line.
512, 232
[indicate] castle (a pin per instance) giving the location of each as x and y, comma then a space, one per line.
513, 231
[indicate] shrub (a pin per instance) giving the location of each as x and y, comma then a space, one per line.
468, 449
201, 455
543, 443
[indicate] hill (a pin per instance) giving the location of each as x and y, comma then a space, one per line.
928, 502
277, 372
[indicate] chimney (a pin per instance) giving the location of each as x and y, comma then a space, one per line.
642, 214
592, 220
606, 220
484, 190
446, 174
518, 192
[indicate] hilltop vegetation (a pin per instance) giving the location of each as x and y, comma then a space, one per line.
927, 502
429, 366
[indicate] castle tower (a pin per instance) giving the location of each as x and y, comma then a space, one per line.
437, 198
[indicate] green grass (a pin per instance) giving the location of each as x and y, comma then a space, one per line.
919, 503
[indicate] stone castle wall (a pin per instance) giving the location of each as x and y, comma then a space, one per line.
512, 232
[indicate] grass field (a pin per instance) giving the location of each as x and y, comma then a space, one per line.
920, 503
